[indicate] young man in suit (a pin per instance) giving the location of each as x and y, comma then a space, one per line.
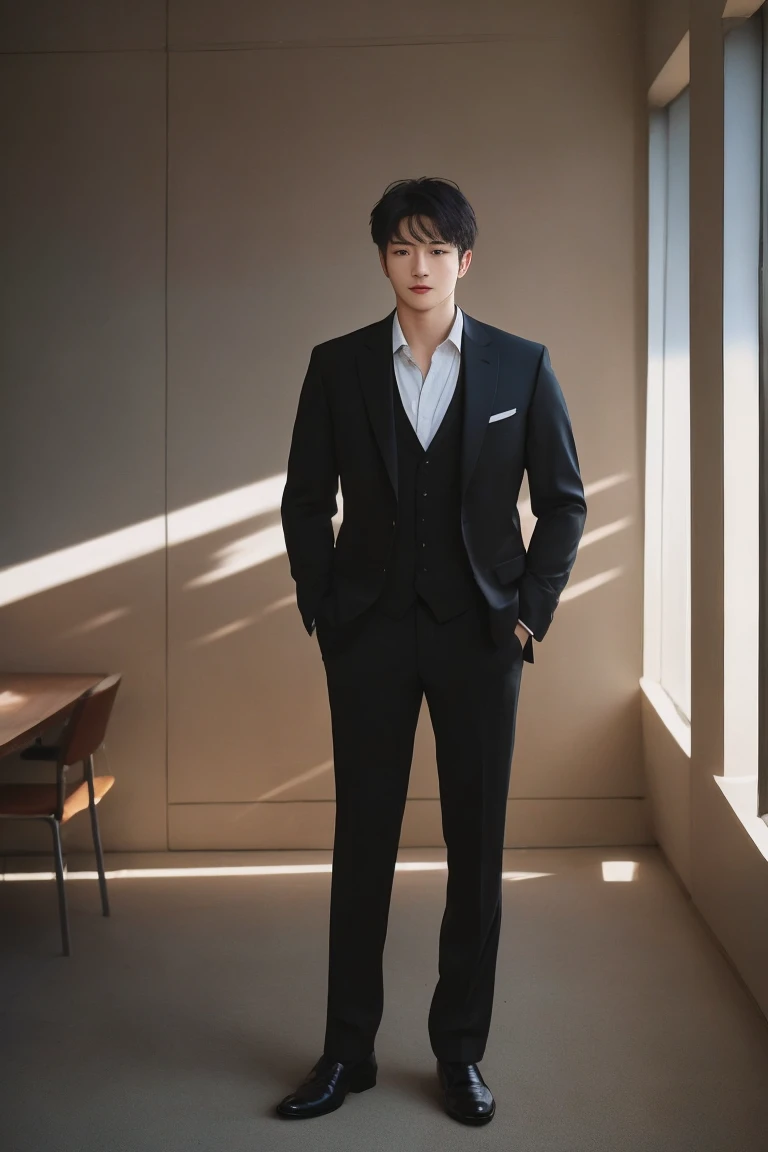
429, 418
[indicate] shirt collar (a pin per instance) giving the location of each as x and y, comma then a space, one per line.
455, 334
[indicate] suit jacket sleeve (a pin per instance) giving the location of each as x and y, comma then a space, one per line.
309, 497
557, 501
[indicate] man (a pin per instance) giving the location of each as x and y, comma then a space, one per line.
429, 418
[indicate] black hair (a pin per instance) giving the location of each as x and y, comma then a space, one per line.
440, 200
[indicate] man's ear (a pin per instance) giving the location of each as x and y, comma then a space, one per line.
383, 263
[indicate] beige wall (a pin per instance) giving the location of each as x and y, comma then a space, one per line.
666, 24
278, 146
718, 862
82, 433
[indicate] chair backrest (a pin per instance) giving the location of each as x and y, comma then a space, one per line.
87, 726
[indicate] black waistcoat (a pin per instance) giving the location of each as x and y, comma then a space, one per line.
428, 557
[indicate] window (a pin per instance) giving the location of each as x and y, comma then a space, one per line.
745, 329
667, 648
741, 392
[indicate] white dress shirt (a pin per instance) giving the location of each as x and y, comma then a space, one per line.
426, 399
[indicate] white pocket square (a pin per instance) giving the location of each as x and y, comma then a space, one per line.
501, 415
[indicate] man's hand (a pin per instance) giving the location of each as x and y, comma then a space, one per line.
522, 634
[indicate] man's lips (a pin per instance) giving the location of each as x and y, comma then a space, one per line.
421, 288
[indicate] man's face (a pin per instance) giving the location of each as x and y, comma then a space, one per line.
435, 265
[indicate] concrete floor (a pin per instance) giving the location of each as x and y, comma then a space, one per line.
179, 1022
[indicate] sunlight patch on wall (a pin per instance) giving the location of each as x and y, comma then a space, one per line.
20, 581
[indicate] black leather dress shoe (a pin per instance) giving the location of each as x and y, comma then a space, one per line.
466, 1095
324, 1088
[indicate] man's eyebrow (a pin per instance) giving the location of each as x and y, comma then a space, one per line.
412, 243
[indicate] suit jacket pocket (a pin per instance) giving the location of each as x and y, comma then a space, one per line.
510, 570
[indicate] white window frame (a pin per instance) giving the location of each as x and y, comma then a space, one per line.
667, 615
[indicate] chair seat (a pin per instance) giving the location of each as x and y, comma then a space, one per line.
40, 799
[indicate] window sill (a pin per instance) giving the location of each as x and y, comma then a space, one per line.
663, 704
739, 791
741, 794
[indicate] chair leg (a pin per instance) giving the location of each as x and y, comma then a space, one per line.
88, 767
63, 917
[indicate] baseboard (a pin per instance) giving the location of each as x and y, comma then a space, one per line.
531, 823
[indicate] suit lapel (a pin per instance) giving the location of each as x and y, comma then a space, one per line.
374, 365
481, 368
481, 374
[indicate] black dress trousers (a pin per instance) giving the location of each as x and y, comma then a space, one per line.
377, 669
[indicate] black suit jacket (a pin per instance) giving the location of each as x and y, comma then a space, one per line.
345, 431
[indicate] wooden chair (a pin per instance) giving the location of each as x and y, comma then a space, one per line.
82, 735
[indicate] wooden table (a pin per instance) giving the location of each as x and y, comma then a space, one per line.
30, 701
